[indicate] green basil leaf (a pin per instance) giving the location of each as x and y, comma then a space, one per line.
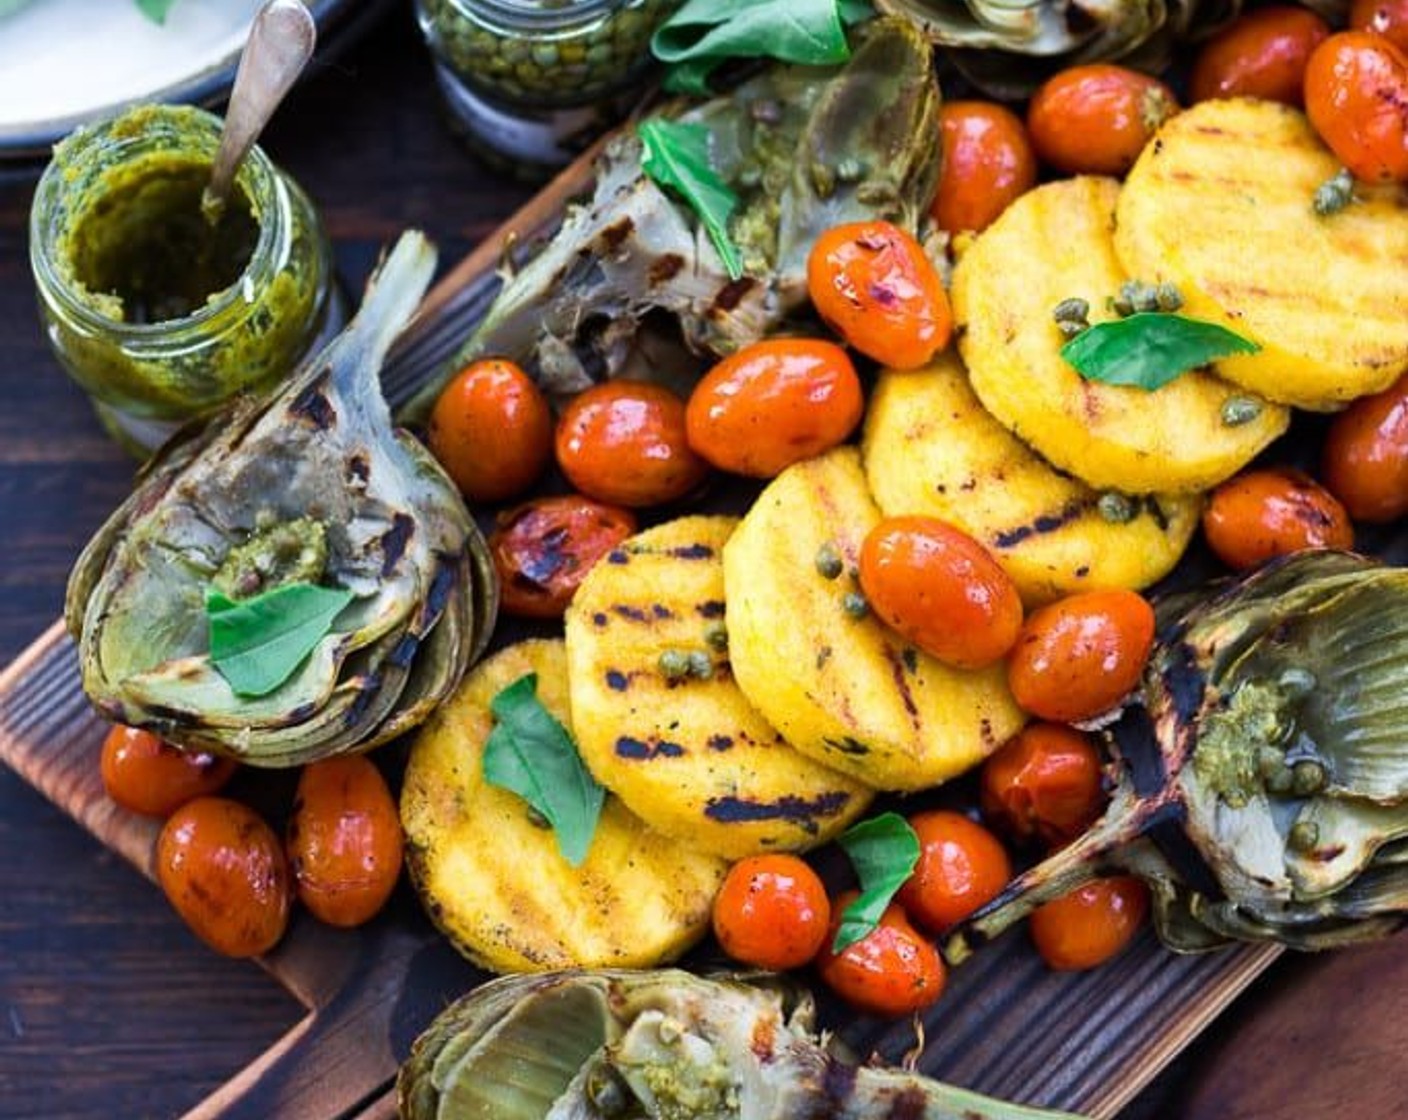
677, 157
257, 643
529, 753
1150, 349
155, 10
884, 851
704, 33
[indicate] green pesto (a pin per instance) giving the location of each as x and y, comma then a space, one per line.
544, 53
277, 553
1228, 758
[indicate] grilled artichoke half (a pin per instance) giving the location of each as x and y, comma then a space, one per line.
1262, 790
993, 43
592, 1045
312, 483
804, 149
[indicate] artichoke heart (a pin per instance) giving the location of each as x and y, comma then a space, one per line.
803, 148
311, 484
1262, 789
666, 1044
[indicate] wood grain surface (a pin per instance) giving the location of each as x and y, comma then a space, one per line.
111, 1009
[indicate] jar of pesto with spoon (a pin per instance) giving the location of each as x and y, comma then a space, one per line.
530, 83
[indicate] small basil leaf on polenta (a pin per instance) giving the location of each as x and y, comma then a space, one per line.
884, 851
1151, 348
529, 753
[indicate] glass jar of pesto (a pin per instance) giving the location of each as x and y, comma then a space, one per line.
160, 308
533, 81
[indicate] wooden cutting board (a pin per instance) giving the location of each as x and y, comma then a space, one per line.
1006, 1025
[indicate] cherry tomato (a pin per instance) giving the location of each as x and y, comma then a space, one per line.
892, 971
1095, 119
1356, 94
1261, 514
146, 775
1388, 18
987, 162
624, 442
773, 404
771, 912
344, 840
1045, 783
1078, 657
1261, 54
1365, 459
491, 430
940, 589
872, 283
1091, 924
223, 869
543, 550
961, 867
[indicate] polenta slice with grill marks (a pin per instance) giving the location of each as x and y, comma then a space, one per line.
843, 689
492, 878
1055, 243
659, 718
931, 448
1219, 204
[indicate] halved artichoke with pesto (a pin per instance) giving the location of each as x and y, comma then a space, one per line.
664, 1044
358, 584
1263, 788
804, 148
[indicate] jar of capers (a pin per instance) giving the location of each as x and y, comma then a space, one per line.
533, 81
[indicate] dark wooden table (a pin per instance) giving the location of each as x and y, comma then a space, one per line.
109, 1007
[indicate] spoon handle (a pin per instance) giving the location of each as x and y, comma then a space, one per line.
280, 43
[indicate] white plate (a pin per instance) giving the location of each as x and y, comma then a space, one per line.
65, 62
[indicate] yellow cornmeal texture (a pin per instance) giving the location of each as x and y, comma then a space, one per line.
1056, 243
846, 690
931, 448
685, 751
1220, 205
494, 881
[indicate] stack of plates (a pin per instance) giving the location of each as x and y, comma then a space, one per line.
66, 62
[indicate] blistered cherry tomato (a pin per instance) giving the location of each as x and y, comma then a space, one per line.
771, 912
892, 971
872, 283
773, 404
1388, 18
1356, 94
1365, 458
147, 775
1262, 54
940, 589
987, 163
344, 840
1044, 783
223, 869
1077, 657
624, 442
961, 867
1091, 924
543, 550
1262, 514
1095, 119
491, 430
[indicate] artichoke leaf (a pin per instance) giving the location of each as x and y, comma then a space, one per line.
1348, 834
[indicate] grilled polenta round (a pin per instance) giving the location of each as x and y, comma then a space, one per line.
659, 719
839, 684
491, 877
931, 448
1219, 204
1055, 243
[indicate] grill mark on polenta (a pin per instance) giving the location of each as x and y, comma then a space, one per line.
617, 681
801, 811
599, 619
697, 551
897, 674
1040, 526
618, 556
630, 611
711, 608
628, 746
720, 742
844, 744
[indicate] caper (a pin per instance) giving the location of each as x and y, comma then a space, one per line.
701, 665
1072, 315
1334, 194
1239, 410
1117, 508
1303, 836
1281, 782
854, 604
673, 664
716, 637
1308, 777
828, 561
1168, 297
1269, 763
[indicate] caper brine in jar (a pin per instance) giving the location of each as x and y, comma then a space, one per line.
161, 309
531, 82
